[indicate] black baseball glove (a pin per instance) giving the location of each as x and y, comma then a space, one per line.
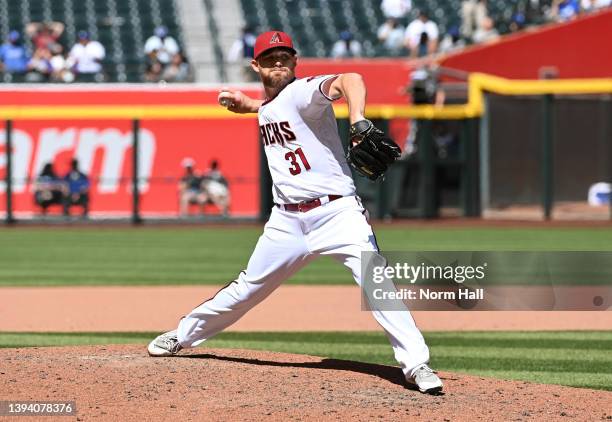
371, 151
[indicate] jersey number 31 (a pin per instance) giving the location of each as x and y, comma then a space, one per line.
295, 166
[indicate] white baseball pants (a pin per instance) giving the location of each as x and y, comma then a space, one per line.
291, 240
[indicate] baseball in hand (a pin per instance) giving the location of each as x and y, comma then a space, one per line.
225, 102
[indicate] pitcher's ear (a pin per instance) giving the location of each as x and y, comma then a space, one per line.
254, 65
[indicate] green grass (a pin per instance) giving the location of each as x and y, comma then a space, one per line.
579, 359
206, 255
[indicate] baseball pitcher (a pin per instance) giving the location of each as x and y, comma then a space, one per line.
316, 209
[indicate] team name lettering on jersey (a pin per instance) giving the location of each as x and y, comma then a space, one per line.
303, 148
276, 133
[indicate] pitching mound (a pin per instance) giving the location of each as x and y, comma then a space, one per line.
122, 383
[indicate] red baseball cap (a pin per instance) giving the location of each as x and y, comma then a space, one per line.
272, 39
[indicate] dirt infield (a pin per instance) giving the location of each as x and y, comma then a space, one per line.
120, 382
290, 308
123, 383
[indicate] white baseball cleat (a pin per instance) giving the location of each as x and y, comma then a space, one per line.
425, 379
165, 345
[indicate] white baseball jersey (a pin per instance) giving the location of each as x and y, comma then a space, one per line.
306, 159
300, 136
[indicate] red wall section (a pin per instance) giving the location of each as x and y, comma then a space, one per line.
104, 150
383, 77
578, 49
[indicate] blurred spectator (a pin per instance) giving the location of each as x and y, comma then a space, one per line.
162, 46
244, 47
178, 70
85, 58
190, 188
535, 11
473, 13
39, 66
452, 41
564, 10
591, 5
346, 46
517, 23
395, 8
421, 36
424, 88
216, 187
486, 33
49, 189
13, 55
154, 68
77, 189
60, 71
422, 49
44, 34
391, 34
243, 50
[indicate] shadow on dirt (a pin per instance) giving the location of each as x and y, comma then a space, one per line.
388, 373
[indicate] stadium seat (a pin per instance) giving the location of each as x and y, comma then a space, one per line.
315, 24
146, 12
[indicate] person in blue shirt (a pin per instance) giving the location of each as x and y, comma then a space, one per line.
77, 189
564, 10
13, 55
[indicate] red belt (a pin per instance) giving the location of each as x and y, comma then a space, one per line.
305, 206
